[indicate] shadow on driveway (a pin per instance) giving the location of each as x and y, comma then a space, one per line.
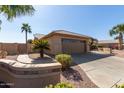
89, 57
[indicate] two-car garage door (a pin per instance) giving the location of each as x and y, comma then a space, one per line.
73, 46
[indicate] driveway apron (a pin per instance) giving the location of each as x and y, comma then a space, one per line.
104, 70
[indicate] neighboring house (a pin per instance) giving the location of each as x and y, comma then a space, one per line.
38, 36
62, 41
108, 44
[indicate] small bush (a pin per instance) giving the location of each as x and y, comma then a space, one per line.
3, 54
41, 45
64, 59
100, 46
120, 86
61, 85
92, 47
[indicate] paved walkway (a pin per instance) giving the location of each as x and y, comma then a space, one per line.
103, 70
24, 59
27, 60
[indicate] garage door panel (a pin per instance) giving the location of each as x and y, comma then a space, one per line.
73, 46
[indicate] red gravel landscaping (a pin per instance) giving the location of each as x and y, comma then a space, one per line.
77, 77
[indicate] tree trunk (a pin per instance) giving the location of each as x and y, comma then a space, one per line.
0, 24
41, 53
26, 42
120, 41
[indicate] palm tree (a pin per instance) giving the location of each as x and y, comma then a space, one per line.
13, 11
0, 24
118, 30
25, 27
40, 45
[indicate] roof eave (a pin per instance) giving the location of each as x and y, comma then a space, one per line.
53, 33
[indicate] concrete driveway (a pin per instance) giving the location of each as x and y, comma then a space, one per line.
104, 70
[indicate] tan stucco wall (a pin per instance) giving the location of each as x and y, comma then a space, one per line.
37, 82
15, 48
107, 45
31, 76
56, 44
11, 48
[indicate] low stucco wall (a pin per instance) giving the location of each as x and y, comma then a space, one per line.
108, 45
15, 48
20, 75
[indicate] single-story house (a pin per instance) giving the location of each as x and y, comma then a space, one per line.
62, 41
108, 44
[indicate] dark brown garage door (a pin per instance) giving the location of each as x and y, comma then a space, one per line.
72, 46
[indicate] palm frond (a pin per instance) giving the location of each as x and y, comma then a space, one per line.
40, 44
26, 27
117, 29
12, 11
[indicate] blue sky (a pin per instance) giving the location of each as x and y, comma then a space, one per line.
93, 21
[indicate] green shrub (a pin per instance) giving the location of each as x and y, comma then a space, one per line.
61, 85
64, 59
3, 54
92, 47
120, 86
41, 45
100, 46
